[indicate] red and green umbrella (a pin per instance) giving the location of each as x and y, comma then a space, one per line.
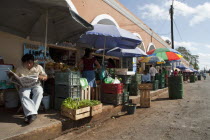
158, 50
165, 54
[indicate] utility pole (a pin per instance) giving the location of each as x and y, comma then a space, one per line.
171, 11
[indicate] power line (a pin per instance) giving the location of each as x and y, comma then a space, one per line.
178, 30
161, 27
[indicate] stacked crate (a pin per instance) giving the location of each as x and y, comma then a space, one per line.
133, 88
161, 78
155, 84
126, 80
113, 94
67, 84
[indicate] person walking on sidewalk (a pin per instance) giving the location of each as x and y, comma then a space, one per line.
31, 105
152, 72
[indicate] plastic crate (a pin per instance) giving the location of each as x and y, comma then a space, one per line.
58, 102
192, 79
155, 84
137, 78
133, 89
67, 78
109, 98
160, 77
126, 79
161, 85
125, 97
126, 88
112, 88
64, 91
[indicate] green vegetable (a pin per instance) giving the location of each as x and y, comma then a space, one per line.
77, 103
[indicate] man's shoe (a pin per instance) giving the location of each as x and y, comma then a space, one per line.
26, 119
29, 119
34, 117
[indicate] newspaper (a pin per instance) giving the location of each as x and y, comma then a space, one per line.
23, 82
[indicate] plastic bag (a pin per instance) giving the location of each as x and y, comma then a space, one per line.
116, 81
83, 83
108, 80
102, 73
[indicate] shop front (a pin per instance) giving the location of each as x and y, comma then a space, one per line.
53, 57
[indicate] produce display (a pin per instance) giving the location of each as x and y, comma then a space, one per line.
77, 103
60, 66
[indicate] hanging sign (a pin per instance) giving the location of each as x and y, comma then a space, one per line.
37, 51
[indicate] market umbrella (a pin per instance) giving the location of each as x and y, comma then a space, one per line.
46, 21
182, 67
193, 70
166, 54
119, 52
187, 70
177, 69
162, 50
152, 60
109, 37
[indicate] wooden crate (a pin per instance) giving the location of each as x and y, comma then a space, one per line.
145, 99
95, 110
98, 92
146, 86
75, 114
85, 93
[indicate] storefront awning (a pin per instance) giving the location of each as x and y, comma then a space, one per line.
27, 19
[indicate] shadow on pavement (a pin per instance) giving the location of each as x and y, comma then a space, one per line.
11, 116
119, 115
161, 99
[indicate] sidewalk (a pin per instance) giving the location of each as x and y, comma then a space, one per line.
51, 124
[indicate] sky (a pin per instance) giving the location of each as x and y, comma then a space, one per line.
191, 23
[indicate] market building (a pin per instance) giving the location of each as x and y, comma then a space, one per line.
110, 12
95, 12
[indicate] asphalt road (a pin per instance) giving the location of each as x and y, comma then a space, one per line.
183, 119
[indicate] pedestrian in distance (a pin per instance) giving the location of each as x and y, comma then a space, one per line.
146, 78
152, 72
175, 72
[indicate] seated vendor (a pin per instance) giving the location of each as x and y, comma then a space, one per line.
146, 78
31, 105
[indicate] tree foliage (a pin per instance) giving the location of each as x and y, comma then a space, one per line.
193, 59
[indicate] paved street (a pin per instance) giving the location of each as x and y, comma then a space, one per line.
183, 119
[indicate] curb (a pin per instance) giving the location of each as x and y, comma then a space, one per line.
65, 125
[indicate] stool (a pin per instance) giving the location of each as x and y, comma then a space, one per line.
145, 98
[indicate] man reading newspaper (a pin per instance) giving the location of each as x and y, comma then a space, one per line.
28, 82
